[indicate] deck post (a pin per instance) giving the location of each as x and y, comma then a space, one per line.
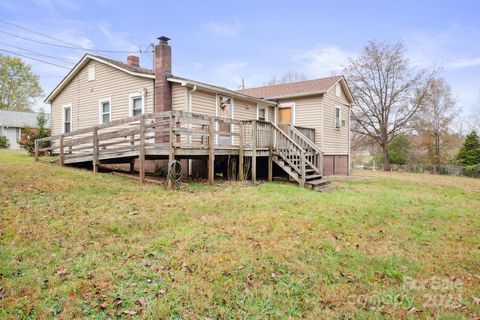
240, 152
132, 166
270, 155
95, 150
303, 176
141, 154
171, 151
36, 149
254, 151
211, 153
62, 157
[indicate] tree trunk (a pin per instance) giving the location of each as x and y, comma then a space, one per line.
386, 160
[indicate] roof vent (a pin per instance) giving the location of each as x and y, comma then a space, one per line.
163, 39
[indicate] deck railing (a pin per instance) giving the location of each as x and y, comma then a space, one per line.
164, 133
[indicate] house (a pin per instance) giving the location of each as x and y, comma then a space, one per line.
12, 122
100, 92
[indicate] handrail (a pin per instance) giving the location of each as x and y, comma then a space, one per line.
318, 166
286, 136
113, 123
306, 140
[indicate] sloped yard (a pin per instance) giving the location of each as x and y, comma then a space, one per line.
76, 244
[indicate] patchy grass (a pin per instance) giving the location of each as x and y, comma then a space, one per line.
80, 245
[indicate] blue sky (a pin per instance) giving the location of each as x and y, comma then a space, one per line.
221, 41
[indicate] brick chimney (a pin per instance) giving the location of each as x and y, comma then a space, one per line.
133, 61
163, 69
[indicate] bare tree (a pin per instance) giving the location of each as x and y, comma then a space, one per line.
434, 118
387, 92
290, 76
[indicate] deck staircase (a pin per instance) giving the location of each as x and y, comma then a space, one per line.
300, 158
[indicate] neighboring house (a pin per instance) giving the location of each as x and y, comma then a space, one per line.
99, 90
12, 122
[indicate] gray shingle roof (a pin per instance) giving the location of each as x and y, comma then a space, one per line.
20, 119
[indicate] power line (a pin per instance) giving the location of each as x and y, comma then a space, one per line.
38, 53
70, 45
37, 41
39, 60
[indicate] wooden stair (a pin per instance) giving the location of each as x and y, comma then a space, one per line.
300, 158
313, 180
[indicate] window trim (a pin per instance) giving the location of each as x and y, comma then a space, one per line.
338, 124
292, 105
265, 108
18, 134
91, 75
100, 109
217, 112
131, 96
338, 90
65, 106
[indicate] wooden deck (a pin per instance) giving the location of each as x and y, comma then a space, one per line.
182, 135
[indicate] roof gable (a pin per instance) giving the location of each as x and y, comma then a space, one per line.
135, 71
296, 89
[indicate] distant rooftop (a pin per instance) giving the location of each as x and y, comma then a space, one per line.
17, 119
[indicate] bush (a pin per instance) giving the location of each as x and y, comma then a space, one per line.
472, 171
29, 135
4, 142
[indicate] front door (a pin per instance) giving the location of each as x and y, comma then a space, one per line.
284, 119
285, 116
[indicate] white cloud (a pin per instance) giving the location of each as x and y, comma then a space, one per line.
231, 28
321, 60
116, 40
463, 63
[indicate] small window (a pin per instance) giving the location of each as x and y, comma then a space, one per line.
338, 117
17, 134
137, 106
91, 73
105, 110
338, 89
67, 119
262, 114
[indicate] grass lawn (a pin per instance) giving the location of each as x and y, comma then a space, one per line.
75, 244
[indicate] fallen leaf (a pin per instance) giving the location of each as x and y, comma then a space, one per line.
129, 312
476, 300
141, 303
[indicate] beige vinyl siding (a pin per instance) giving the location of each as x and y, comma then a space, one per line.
308, 114
203, 102
318, 112
244, 110
83, 96
335, 140
179, 97
271, 114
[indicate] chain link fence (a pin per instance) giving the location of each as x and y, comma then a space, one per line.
469, 171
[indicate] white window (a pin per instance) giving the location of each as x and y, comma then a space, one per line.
137, 106
105, 110
338, 89
17, 134
91, 73
338, 117
262, 114
67, 119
